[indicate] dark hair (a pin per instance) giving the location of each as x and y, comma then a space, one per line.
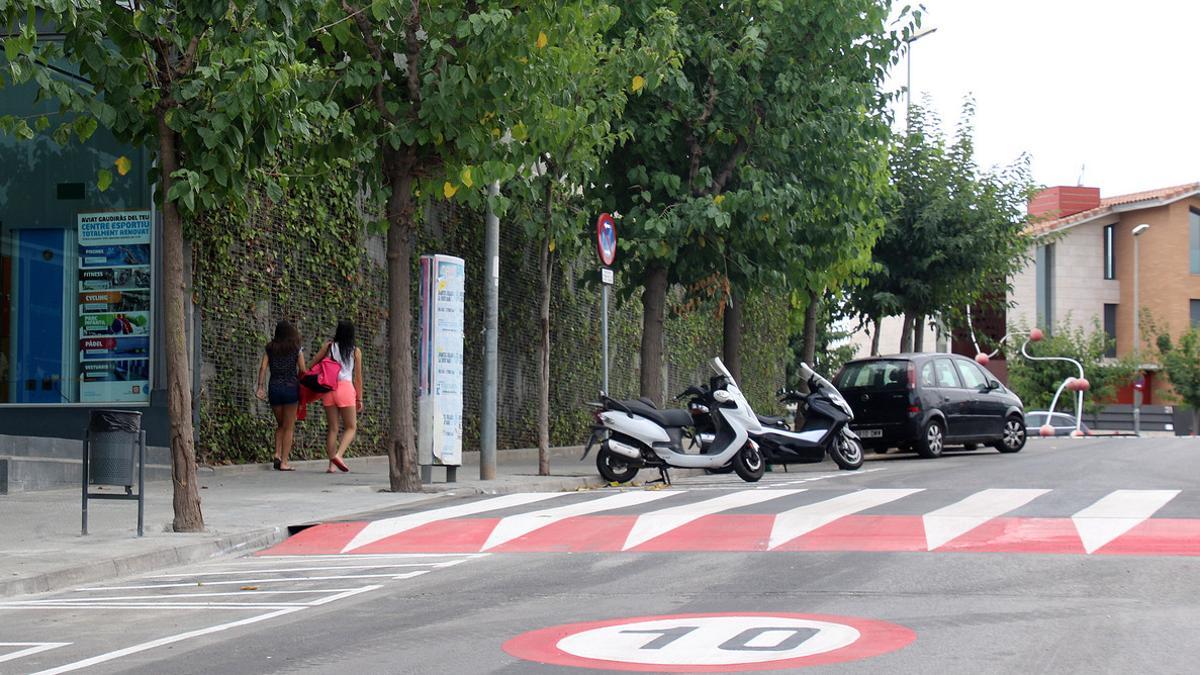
344, 337
286, 340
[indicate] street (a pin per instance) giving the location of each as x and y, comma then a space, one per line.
1070, 556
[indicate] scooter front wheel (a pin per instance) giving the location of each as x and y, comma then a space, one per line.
749, 463
847, 453
613, 467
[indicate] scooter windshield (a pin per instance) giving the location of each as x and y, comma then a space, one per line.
719, 367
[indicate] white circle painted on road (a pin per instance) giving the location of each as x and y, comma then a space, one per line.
713, 640
729, 641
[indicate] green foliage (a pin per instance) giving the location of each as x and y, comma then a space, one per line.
1182, 363
833, 348
759, 154
223, 77
305, 260
1036, 381
954, 233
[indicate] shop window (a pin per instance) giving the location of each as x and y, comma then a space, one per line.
76, 267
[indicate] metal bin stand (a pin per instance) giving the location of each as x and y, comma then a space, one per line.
114, 453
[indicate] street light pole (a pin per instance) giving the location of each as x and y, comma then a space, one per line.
908, 60
1137, 334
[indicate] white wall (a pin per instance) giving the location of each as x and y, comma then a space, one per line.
1080, 289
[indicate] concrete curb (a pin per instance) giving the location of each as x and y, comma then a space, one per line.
149, 561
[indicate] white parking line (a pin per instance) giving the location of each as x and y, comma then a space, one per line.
31, 648
86, 663
234, 582
302, 569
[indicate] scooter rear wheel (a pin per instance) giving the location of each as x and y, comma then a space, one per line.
613, 467
749, 464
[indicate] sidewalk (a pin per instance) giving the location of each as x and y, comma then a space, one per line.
245, 508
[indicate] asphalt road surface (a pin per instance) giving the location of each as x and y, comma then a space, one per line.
1071, 556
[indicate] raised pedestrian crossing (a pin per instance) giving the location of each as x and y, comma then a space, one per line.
785, 519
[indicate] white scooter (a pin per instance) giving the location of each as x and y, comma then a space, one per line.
634, 434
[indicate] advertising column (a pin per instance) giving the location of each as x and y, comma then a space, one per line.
114, 307
440, 390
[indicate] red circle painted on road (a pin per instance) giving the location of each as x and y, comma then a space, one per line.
606, 239
703, 642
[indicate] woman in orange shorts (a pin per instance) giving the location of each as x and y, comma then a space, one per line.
343, 403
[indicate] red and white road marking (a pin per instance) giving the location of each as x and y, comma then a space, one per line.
719, 642
1120, 523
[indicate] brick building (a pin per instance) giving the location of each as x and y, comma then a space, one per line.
1082, 271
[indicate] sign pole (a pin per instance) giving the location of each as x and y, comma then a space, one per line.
491, 323
606, 248
604, 334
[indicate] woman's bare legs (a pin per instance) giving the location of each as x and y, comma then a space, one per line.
284, 450
331, 436
280, 415
350, 426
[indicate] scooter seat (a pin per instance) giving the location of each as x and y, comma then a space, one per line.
671, 417
772, 421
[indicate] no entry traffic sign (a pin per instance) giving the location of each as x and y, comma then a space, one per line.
606, 239
720, 642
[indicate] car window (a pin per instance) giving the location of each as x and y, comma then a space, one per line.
1034, 419
1061, 420
874, 374
971, 376
945, 373
928, 379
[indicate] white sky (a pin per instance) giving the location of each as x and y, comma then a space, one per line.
1111, 86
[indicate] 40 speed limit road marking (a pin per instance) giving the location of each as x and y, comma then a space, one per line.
718, 642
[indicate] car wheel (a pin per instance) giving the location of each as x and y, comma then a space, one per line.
1014, 435
970, 446
932, 441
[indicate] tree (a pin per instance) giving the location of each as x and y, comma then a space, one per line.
1036, 381
589, 85
1182, 363
954, 233
210, 89
440, 98
697, 183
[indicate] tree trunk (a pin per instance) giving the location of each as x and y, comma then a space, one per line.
809, 353
919, 334
654, 300
403, 473
545, 268
1195, 420
906, 333
875, 326
186, 494
731, 333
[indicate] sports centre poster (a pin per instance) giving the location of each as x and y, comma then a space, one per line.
114, 306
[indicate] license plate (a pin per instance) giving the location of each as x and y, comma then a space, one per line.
869, 433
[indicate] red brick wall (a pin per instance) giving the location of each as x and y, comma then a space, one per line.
1064, 200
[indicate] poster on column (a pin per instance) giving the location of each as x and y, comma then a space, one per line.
440, 390
114, 306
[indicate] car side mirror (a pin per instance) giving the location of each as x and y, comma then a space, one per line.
993, 385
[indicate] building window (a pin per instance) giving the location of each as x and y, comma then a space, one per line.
1194, 227
1110, 253
76, 271
1045, 287
1110, 328
1195, 312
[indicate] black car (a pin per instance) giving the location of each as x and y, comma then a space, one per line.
925, 401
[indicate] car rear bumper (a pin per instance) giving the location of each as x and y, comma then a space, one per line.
886, 435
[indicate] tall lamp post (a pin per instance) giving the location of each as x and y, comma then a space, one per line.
1138, 231
908, 86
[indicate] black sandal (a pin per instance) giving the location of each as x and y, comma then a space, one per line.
277, 463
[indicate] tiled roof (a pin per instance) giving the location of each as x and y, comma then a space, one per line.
1107, 205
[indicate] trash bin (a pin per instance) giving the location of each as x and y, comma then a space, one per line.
113, 444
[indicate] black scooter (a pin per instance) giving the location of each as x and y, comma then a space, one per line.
825, 430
